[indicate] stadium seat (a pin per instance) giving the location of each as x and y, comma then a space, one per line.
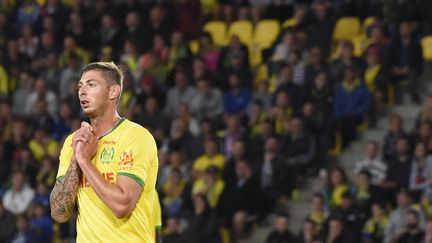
242, 29
337, 149
346, 28
266, 32
359, 44
426, 43
292, 22
217, 30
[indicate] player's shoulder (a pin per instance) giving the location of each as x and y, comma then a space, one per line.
68, 140
136, 130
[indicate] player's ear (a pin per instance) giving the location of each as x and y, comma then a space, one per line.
115, 91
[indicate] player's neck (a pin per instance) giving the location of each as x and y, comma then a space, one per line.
104, 124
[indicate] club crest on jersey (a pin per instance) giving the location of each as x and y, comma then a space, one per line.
107, 155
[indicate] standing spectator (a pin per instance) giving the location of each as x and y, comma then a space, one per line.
372, 164
281, 232
315, 66
412, 231
352, 100
18, 198
406, 59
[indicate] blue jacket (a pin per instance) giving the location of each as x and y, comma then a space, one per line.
234, 104
348, 103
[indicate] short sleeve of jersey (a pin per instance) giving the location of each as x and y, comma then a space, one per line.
138, 153
157, 213
65, 156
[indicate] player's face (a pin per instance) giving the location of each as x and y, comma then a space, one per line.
93, 93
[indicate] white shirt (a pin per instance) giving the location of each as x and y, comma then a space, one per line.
18, 202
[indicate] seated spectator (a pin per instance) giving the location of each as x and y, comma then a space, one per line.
71, 46
320, 93
425, 113
272, 172
315, 65
256, 117
233, 132
298, 147
345, 59
173, 191
372, 164
239, 152
210, 185
181, 93
23, 231
17, 199
395, 131
175, 232
406, 60
7, 224
47, 173
178, 49
352, 100
211, 157
376, 79
352, 217
337, 232
185, 115
308, 233
299, 68
380, 42
364, 193
398, 217
42, 145
63, 122
205, 223
40, 91
337, 185
42, 194
281, 111
412, 232
373, 229
235, 47
41, 118
209, 52
399, 169
201, 71
428, 231
284, 48
281, 232
182, 138
421, 167
208, 102
158, 52
423, 134
286, 83
152, 118
318, 214
237, 98
40, 223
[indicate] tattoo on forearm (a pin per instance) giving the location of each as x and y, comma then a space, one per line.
64, 193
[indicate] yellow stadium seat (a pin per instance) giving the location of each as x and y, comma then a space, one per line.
266, 32
292, 22
217, 30
366, 24
337, 149
225, 235
346, 28
426, 43
194, 46
242, 29
255, 54
359, 44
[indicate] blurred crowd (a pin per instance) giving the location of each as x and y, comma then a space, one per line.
237, 137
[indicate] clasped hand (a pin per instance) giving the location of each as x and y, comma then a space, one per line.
84, 143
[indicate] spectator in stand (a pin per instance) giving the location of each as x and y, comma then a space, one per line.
364, 194
210, 185
7, 224
40, 223
352, 217
398, 217
17, 199
284, 48
352, 101
372, 164
412, 231
318, 214
373, 229
345, 59
134, 29
209, 52
399, 167
200, 70
337, 185
425, 114
23, 231
428, 231
182, 138
42, 145
239, 152
316, 65
237, 66
337, 232
421, 167
41, 91
281, 111
395, 131
380, 43
71, 72
406, 59
152, 118
211, 157
308, 233
208, 102
175, 232
174, 190
235, 47
22, 92
205, 222
281, 232
182, 92
320, 29
178, 51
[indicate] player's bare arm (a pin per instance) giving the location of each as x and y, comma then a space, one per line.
121, 197
63, 195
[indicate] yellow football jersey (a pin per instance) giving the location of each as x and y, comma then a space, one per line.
128, 150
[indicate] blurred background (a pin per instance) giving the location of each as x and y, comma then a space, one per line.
276, 120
